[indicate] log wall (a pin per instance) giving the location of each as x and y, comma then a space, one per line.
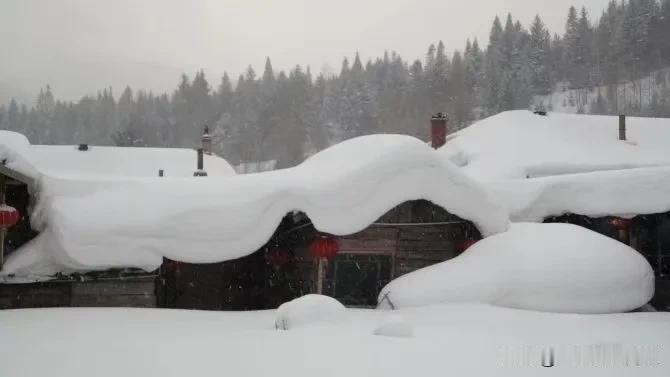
140, 292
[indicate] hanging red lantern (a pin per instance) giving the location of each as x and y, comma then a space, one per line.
466, 244
324, 248
276, 256
9, 216
172, 266
620, 223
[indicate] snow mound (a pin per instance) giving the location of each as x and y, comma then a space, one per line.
394, 326
544, 267
307, 310
94, 224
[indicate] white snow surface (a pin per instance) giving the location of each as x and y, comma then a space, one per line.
99, 161
544, 267
538, 166
449, 340
93, 223
623, 193
394, 326
308, 310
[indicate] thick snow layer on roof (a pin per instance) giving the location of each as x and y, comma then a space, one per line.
520, 144
125, 161
545, 267
98, 162
623, 193
539, 166
93, 224
448, 340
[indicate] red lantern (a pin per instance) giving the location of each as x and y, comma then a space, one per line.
172, 266
326, 247
621, 224
466, 244
9, 216
277, 257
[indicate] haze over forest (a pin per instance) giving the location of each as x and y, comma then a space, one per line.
81, 46
285, 111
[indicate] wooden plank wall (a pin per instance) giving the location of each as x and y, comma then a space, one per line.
415, 234
422, 246
36, 295
139, 292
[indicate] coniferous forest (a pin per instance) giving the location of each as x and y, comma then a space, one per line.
284, 116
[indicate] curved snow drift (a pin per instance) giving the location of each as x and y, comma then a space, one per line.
93, 224
545, 267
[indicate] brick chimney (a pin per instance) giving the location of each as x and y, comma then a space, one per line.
438, 129
206, 141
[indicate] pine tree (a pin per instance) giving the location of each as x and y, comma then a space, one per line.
538, 58
125, 105
461, 107
268, 73
344, 72
494, 69
225, 94
13, 116
572, 51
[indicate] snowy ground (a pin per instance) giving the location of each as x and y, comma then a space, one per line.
448, 340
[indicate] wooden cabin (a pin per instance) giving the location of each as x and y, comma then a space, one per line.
114, 287
296, 260
119, 287
299, 260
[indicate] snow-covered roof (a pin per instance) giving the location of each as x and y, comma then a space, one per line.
98, 161
90, 224
539, 166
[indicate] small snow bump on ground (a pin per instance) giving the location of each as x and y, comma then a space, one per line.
307, 310
394, 326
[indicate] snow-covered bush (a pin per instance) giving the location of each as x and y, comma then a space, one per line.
308, 309
546, 267
394, 326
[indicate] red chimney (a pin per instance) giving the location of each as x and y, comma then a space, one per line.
438, 129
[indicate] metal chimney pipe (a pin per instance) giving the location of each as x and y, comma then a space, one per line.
200, 172
622, 126
200, 159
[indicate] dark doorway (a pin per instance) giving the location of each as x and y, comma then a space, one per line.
357, 279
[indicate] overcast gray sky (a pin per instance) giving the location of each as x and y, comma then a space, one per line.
80, 46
